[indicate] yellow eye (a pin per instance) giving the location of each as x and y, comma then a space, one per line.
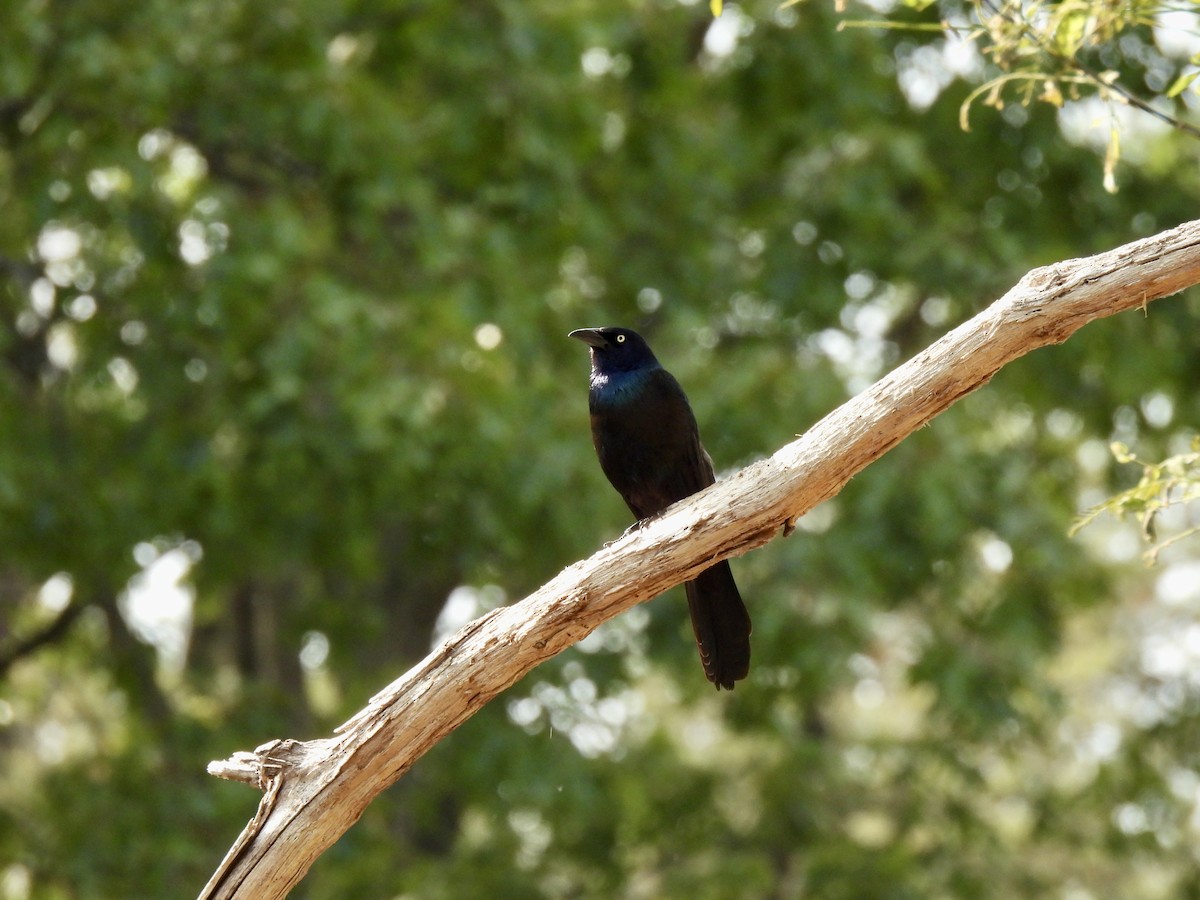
620, 338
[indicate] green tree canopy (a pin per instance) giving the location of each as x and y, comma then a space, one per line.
283, 313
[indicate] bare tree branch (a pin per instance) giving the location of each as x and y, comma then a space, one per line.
48, 634
315, 790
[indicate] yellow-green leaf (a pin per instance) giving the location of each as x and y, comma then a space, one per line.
1111, 155
1182, 83
1051, 94
1071, 32
1121, 451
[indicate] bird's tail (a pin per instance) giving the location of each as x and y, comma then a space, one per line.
721, 624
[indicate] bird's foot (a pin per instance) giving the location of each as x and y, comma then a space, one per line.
636, 526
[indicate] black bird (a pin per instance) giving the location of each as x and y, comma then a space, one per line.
649, 447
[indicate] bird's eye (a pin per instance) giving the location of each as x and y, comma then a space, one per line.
620, 338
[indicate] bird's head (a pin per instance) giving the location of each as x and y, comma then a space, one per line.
616, 349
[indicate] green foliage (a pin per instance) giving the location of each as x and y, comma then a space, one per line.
1172, 483
283, 303
1068, 50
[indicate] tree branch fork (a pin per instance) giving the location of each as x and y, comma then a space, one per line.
315, 790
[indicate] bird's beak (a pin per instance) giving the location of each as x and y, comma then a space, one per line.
593, 337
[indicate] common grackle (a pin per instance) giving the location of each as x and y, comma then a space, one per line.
649, 447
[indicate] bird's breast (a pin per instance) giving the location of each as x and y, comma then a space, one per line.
609, 390
647, 440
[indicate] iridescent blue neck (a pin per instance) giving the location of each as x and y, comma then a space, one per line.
615, 388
